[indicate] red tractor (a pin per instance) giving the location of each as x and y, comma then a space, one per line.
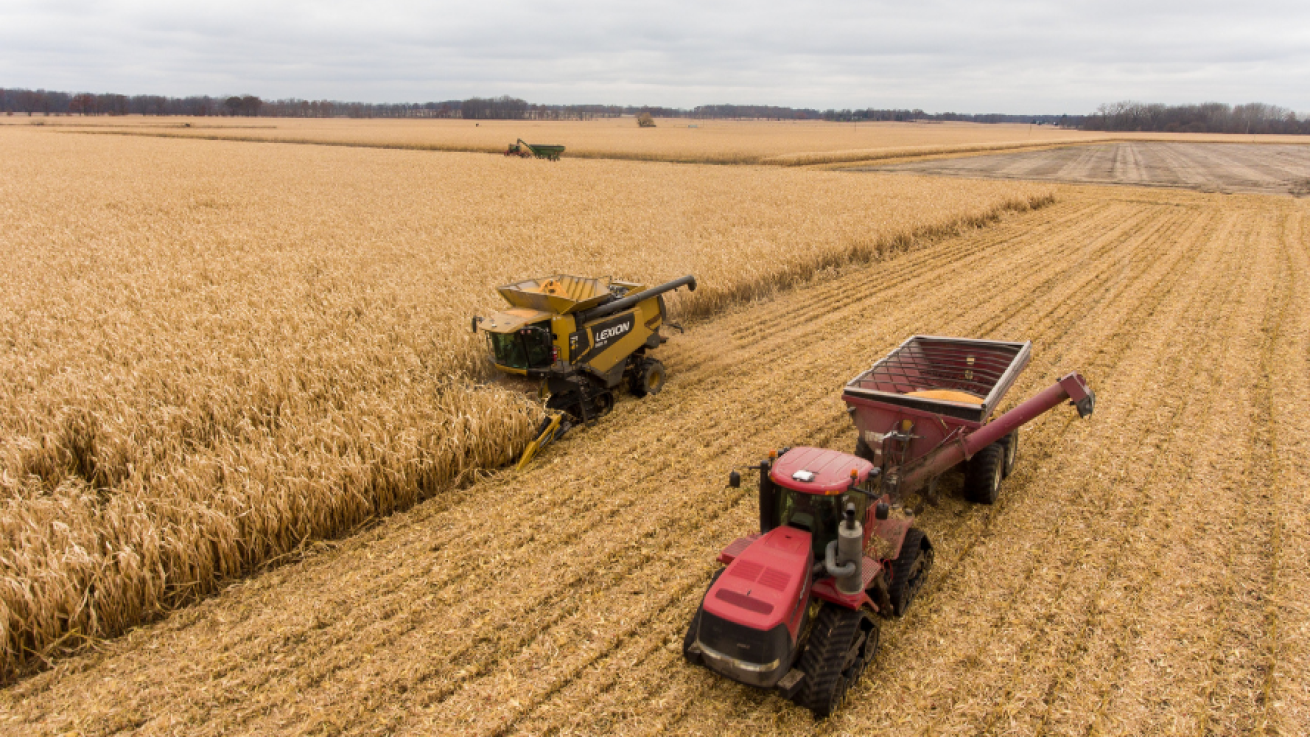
798, 604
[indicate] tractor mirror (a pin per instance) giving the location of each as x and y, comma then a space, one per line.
476, 320
734, 480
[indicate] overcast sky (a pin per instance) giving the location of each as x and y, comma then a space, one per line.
965, 56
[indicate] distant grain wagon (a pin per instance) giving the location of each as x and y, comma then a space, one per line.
540, 150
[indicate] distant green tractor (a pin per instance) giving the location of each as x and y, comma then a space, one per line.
528, 150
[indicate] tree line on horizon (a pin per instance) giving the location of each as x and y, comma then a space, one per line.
51, 102
1210, 117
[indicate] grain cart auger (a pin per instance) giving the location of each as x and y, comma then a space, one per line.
584, 338
796, 607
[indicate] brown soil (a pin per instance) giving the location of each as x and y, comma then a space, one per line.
1145, 571
1206, 167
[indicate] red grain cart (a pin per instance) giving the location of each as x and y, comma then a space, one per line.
932, 393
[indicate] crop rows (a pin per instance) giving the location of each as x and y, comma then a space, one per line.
1145, 570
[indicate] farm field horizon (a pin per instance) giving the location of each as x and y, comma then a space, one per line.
751, 142
286, 327
1236, 167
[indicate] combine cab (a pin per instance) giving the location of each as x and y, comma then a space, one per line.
798, 604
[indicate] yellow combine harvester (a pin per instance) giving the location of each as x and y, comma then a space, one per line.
584, 337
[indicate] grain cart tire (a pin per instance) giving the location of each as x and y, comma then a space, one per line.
648, 378
842, 642
1011, 443
983, 474
910, 570
689, 639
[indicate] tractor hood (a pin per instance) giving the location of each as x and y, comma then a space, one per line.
751, 618
512, 319
762, 587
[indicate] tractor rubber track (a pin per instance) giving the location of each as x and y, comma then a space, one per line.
830, 640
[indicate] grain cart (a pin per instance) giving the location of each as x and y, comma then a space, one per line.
796, 606
540, 150
584, 338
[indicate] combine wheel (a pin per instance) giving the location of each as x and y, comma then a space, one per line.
910, 570
648, 378
1011, 443
983, 474
842, 642
603, 403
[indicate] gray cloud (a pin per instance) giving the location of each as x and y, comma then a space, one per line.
938, 55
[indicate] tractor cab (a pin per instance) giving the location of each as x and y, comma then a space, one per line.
812, 489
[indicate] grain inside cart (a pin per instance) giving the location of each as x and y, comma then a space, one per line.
797, 605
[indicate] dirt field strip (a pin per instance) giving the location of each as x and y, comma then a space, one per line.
553, 602
1286, 691
1067, 518
1169, 469
1212, 167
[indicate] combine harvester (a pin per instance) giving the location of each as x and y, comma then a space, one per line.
797, 606
584, 338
